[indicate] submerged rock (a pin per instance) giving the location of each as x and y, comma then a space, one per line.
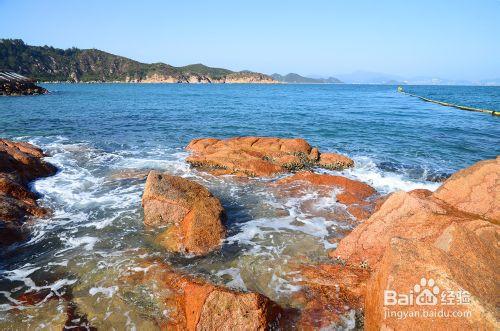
360, 198
193, 216
330, 293
259, 156
20, 163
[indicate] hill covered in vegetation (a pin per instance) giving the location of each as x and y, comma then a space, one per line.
45, 63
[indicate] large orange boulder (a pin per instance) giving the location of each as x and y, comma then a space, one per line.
20, 163
193, 216
475, 190
414, 215
194, 304
449, 284
259, 156
420, 245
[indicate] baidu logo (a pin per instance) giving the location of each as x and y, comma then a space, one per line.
426, 293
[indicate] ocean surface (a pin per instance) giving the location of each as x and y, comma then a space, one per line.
105, 137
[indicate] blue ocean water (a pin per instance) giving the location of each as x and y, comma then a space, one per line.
105, 137
398, 132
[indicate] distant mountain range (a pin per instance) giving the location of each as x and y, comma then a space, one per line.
298, 79
368, 77
44, 63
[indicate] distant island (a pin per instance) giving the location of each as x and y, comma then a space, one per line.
49, 64
298, 79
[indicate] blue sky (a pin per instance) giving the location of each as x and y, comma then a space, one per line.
456, 39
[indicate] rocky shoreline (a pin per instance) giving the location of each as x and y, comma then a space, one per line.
445, 241
20, 164
12, 84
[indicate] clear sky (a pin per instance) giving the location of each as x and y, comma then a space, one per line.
456, 39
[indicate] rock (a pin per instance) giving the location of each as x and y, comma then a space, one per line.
194, 304
255, 156
20, 163
410, 215
448, 240
330, 292
193, 216
130, 174
314, 154
449, 264
12, 83
335, 161
23, 160
475, 190
357, 196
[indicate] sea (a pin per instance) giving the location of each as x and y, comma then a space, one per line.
104, 138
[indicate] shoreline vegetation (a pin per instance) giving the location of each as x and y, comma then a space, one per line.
397, 239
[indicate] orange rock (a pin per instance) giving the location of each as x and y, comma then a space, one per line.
330, 292
403, 215
457, 261
25, 160
475, 190
334, 161
194, 304
194, 217
419, 235
20, 163
314, 155
257, 156
357, 196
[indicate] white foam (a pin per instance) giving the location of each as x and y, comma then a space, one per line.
236, 280
85, 241
106, 291
282, 286
22, 275
367, 171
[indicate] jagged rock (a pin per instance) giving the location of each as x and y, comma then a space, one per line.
193, 216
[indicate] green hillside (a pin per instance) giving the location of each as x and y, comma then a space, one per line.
45, 63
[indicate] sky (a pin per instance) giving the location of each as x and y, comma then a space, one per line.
453, 39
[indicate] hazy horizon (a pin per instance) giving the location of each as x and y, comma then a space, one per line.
452, 40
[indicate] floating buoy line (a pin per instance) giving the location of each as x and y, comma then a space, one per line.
487, 111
